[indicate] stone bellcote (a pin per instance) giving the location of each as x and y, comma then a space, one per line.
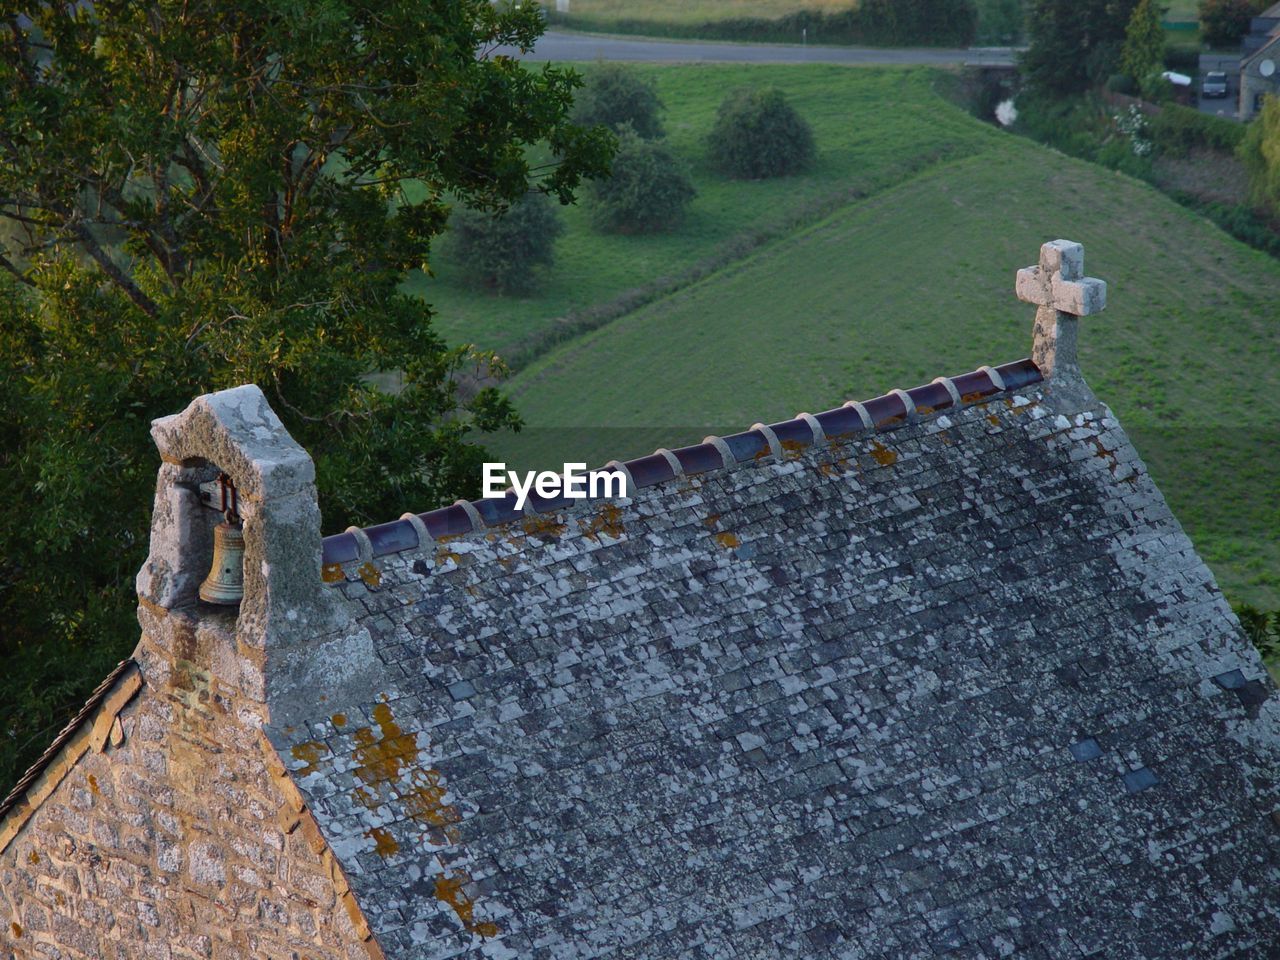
236, 432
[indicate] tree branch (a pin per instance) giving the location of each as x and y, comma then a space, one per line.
7, 264
112, 270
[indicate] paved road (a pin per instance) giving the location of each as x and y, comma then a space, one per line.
555, 45
1230, 65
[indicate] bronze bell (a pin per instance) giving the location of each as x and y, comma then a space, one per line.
225, 582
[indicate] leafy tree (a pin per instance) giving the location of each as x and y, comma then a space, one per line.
1224, 22
205, 193
1142, 57
904, 22
503, 250
1001, 21
614, 94
1073, 43
649, 189
757, 134
1260, 152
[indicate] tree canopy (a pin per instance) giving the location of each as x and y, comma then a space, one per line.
758, 133
1142, 57
1260, 151
1224, 22
649, 190
617, 94
1074, 43
505, 251
199, 194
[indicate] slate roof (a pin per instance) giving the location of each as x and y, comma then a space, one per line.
1268, 48
955, 683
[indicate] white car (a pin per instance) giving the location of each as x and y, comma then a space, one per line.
1215, 84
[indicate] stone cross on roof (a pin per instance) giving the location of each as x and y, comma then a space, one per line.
1062, 294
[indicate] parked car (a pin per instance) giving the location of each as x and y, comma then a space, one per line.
1215, 84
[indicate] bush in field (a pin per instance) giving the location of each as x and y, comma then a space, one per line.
758, 134
649, 190
615, 94
503, 252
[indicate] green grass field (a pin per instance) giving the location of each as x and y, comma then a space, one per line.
914, 281
873, 127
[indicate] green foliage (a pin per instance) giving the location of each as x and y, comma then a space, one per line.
903, 22
1142, 56
1089, 129
1001, 22
1224, 22
1260, 152
649, 189
615, 94
1121, 83
1262, 628
598, 275
758, 134
1076, 126
502, 251
202, 195
1183, 59
1178, 129
1074, 43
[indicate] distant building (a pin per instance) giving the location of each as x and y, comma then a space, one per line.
937, 674
1259, 61
1261, 29
1260, 75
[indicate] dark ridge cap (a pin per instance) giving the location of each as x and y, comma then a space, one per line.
885, 413
66, 733
699, 458
747, 446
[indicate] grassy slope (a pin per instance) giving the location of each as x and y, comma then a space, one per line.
865, 122
917, 281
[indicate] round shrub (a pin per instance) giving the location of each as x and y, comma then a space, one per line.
615, 94
505, 252
758, 134
649, 189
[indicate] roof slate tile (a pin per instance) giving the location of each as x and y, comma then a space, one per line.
859, 737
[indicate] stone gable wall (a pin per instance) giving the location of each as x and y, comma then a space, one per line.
179, 842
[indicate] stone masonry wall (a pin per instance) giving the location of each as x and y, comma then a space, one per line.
179, 842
